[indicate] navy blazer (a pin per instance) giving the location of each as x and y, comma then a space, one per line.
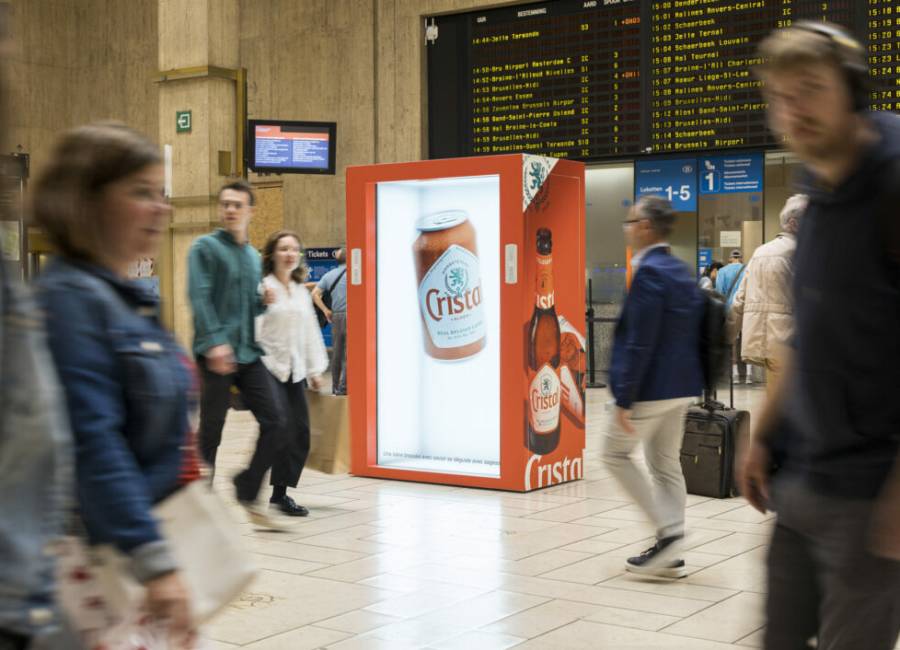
656, 350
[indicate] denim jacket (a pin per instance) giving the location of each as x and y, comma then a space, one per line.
35, 465
127, 393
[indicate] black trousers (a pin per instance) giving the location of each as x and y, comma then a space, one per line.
291, 457
10, 641
823, 582
261, 395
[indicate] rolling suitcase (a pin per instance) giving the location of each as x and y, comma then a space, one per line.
712, 433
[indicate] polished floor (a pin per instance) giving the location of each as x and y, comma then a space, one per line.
395, 565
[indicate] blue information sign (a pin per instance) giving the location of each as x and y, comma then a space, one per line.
320, 261
731, 174
704, 259
673, 179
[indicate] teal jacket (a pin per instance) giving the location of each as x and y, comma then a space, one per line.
223, 285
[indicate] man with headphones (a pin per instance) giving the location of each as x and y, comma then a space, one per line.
832, 428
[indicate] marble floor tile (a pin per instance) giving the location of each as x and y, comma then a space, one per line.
484, 609
545, 617
396, 565
280, 602
357, 622
305, 638
729, 620
585, 635
477, 640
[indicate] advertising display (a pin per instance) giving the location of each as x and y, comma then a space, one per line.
438, 289
465, 313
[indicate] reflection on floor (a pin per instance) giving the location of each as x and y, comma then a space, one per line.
384, 564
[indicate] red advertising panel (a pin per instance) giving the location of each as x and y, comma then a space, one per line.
466, 321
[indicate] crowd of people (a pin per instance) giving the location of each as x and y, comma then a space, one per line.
101, 356
97, 401
819, 308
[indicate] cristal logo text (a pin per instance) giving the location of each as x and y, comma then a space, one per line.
552, 473
546, 302
439, 306
543, 402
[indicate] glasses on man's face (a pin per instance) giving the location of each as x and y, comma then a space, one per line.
628, 222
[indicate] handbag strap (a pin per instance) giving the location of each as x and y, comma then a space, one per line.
338, 279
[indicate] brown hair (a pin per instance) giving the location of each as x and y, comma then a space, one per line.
810, 43
239, 185
787, 49
84, 162
298, 275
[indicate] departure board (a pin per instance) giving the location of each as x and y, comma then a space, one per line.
703, 92
595, 79
883, 32
561, 83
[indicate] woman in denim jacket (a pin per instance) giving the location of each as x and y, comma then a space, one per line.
101, 202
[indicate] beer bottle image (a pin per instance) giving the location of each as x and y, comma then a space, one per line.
542, 434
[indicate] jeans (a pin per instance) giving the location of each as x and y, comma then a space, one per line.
660, 426
822, 581
339, 353
260, 392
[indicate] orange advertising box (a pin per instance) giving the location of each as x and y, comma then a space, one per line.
466, 302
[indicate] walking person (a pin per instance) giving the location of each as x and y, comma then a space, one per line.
294, 353
335, 283
36, 463
728, 279
126, 384
762, 312
224, 276
655, 374
35, 475
833, 422
707, 281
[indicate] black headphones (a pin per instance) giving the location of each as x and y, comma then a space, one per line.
850, 55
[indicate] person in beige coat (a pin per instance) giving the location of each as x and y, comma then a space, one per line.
763, 307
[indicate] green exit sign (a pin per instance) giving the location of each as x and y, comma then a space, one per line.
182, 121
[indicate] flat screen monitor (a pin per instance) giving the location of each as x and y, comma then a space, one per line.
291, 147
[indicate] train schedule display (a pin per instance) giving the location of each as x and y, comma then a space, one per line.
595, 79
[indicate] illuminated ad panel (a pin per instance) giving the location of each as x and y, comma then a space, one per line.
438, 325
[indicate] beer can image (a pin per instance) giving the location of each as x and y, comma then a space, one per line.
449, 285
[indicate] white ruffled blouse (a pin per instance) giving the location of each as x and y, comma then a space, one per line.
289, 334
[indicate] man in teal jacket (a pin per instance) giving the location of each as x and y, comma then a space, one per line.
224, 275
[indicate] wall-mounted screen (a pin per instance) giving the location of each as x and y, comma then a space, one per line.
291, 147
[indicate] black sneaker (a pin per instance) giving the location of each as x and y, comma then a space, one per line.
660, 559
289, 507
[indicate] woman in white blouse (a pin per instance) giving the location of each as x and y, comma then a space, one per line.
294, 353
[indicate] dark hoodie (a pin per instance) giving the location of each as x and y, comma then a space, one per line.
843, 407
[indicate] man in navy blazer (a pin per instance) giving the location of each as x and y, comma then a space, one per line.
655, 374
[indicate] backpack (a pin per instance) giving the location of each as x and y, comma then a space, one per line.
326, 299
715, 348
